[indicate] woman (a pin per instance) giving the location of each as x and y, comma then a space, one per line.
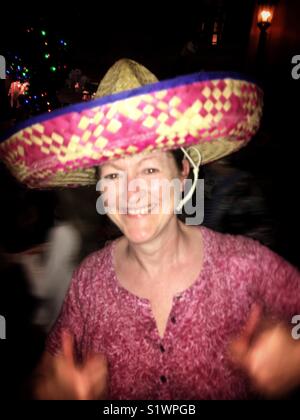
169, 310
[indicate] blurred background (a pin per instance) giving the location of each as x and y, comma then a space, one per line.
56, 55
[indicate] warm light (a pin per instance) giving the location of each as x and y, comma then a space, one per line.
214, 40
265, 16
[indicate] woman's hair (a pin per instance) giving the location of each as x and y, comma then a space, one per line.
97, 170
177, 154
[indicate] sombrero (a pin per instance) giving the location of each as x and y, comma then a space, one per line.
132, 112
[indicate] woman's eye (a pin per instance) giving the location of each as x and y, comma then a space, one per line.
150, 171
111, 176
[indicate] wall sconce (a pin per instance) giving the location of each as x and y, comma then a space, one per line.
265, 16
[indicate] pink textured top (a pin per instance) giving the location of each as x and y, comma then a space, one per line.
191, 361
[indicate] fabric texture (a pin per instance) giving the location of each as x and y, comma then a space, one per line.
191, 361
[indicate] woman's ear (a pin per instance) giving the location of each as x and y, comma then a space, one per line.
185, 168
185, 172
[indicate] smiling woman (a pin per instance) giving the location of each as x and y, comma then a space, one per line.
140, 194
168, 310
149, 166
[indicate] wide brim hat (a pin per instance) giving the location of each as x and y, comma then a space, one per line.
218, 113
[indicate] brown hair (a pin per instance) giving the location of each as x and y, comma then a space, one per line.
177, 154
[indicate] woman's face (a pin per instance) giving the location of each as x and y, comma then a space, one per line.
139, 193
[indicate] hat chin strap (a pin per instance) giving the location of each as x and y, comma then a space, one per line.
195, 172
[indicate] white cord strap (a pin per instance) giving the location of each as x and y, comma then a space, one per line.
195, 173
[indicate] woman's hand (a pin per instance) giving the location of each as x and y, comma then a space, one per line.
269, 354
61, 378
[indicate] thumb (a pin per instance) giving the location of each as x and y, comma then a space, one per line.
96, 365
240, 345
68, 347
94, 378
252, 322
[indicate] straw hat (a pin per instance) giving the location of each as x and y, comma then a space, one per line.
218, 113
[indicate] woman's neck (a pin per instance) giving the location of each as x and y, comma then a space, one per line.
170, 247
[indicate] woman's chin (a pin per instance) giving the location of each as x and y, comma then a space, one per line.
140, 228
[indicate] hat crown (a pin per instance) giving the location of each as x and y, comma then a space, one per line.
125, 74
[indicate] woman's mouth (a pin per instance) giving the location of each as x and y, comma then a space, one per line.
140, 211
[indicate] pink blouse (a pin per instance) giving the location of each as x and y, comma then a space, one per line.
191, 361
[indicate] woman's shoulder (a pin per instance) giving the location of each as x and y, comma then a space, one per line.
227, 245
98, 262
237, 252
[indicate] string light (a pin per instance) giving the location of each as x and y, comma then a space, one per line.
38, 101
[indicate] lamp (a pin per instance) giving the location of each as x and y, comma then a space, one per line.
265, 16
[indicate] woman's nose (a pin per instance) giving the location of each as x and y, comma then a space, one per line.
136, 189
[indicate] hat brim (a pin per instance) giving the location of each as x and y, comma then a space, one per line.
216, 112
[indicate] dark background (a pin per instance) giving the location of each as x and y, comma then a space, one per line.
170, 39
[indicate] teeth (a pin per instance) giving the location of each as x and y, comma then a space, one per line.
142, 210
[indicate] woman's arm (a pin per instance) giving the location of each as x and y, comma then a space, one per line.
266, 347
